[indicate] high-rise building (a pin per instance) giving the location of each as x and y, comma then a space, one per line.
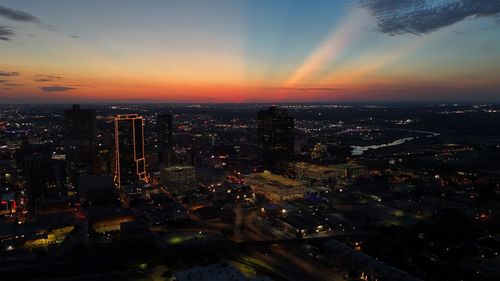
43, 168
276, 138
130, 162
80, 132
80, 124
165, 127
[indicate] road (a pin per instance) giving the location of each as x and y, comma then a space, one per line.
287, 263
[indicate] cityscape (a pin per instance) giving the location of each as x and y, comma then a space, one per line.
374, 157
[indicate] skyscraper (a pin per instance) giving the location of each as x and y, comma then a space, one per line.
80, 124
165, 127
130, 162
276, 138
80, 132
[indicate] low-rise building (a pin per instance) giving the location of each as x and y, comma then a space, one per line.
275, 187
302, 224
349, 170
316, 172
176, 177
215, 272
310, 171
7, 203
104, 220
97, 190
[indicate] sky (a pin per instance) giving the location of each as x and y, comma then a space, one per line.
205, 51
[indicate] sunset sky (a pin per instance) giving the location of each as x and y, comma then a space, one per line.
249, 51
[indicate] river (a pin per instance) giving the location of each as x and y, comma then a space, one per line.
359, 150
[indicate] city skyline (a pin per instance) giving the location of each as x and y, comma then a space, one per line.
249, 51
250, 192
250, 140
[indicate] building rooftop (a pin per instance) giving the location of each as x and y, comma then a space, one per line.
274, 179
215, 272
86, 183
315, 167
367, 263
301, 220
348, 166
179, 168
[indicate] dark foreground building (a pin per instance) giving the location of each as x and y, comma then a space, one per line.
276, 138
80, 131
165, 127
130, 162
44, 169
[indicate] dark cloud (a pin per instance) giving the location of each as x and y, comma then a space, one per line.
424, 16
52, 89
21, 16
12, 84
6, 33
9, 73
3, 81
17, 15
46, 78
309, 89
83, 85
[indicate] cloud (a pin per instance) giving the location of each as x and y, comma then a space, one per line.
425, 16
6, 33
3, 81
52, 89
83, 85
46, 78
9, 73
21, 16
309, 89
17, 15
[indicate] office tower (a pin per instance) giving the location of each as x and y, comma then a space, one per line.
80, 132
276, 138
130, 162
44, 169
80, 124
165, 127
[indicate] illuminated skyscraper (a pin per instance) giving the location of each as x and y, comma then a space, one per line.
130, 162
276, 138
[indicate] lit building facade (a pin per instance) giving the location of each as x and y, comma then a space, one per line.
310, 171
274, 187
176, 176
320, 173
